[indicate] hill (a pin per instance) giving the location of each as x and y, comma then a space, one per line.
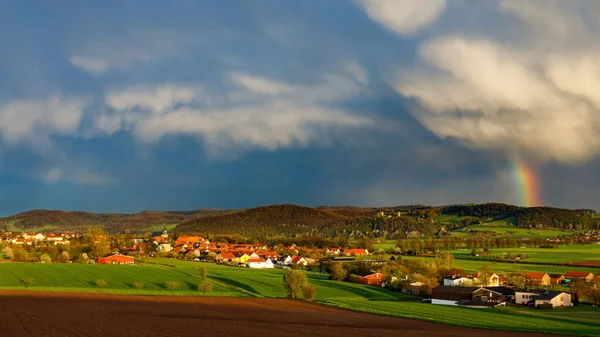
265, 220
114, 222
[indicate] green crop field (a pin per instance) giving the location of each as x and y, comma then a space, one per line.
384, 246
159, 228
507, 228
475, 265
561, 254
244, 282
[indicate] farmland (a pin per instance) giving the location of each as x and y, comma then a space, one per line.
244, 282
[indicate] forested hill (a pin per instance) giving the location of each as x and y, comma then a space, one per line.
329, 221
114, 222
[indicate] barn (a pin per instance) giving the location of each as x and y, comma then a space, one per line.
117, 259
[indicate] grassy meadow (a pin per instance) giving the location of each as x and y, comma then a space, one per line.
244, 282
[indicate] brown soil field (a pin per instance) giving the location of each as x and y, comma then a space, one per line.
587, 263
25, 313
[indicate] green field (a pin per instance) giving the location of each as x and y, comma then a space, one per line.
159, 228
507, 228
562, 254
244, 282
475, 265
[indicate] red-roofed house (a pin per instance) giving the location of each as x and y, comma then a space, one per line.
227, 257
576, 276
117, 259
537, 278
260, 264
374, 279
356, 252
299, 261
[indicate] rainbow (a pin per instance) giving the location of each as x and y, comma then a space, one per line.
526, 183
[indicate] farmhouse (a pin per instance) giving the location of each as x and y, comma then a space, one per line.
371, 278
537, 278
286, 260
556, 278
299, 261
226, 257
260, 263
493, 280
356, 252
578, 276
457, 281
493, 295
537, 297
244, 258
117, 259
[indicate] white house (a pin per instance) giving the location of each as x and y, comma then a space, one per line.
457, 281
260, 264
286, 260
254, 256
492, 281
34, 237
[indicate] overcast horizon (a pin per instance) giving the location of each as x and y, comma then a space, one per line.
125, 106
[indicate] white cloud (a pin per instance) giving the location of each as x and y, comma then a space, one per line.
536, 95
404, 16
258, 112
36, 120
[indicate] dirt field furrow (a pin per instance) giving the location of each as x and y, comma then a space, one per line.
70, 314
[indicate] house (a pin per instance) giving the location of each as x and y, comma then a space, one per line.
578, 276
449, 295
254, 255
493, 295
117, 259
226, 258
333, 251
34, 236
356, 252
164, 247
457, 281
533, 278
371, 278
286, 260
493, 280
270, 255
260, 264
299, 261
187, 239
556, 298
244, 258
556, 278
537, 297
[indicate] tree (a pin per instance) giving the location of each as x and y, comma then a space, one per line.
484, 275
172, 285
19, 253
101, 283
309, 292
591, 291
138, 284
98, 241
293, 282
45, 258
63, 257
28, 282
7, 252
203, 272
516, 280
338, 273
205, 287
84, 258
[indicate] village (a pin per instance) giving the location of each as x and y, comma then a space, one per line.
541, 290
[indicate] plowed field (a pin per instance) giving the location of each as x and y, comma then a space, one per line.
71, 314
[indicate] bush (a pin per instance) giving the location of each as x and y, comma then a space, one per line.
172, 285
338, 273
84, 258
63, 257
45, 258
138, 284
205, 287
203, 273
309, 292
28, 282
293, 282
101, 283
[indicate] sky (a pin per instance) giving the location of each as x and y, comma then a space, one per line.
124, 106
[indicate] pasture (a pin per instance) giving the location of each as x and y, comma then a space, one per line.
244, 282
561, 254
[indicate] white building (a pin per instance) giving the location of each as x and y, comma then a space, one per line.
260, 264
457, 281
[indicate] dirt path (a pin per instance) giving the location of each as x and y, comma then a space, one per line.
71, 314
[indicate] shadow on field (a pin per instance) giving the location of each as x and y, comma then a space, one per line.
369, 293
236, 284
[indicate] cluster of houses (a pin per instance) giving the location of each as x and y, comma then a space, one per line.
257, 256
34, 238
459, 290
